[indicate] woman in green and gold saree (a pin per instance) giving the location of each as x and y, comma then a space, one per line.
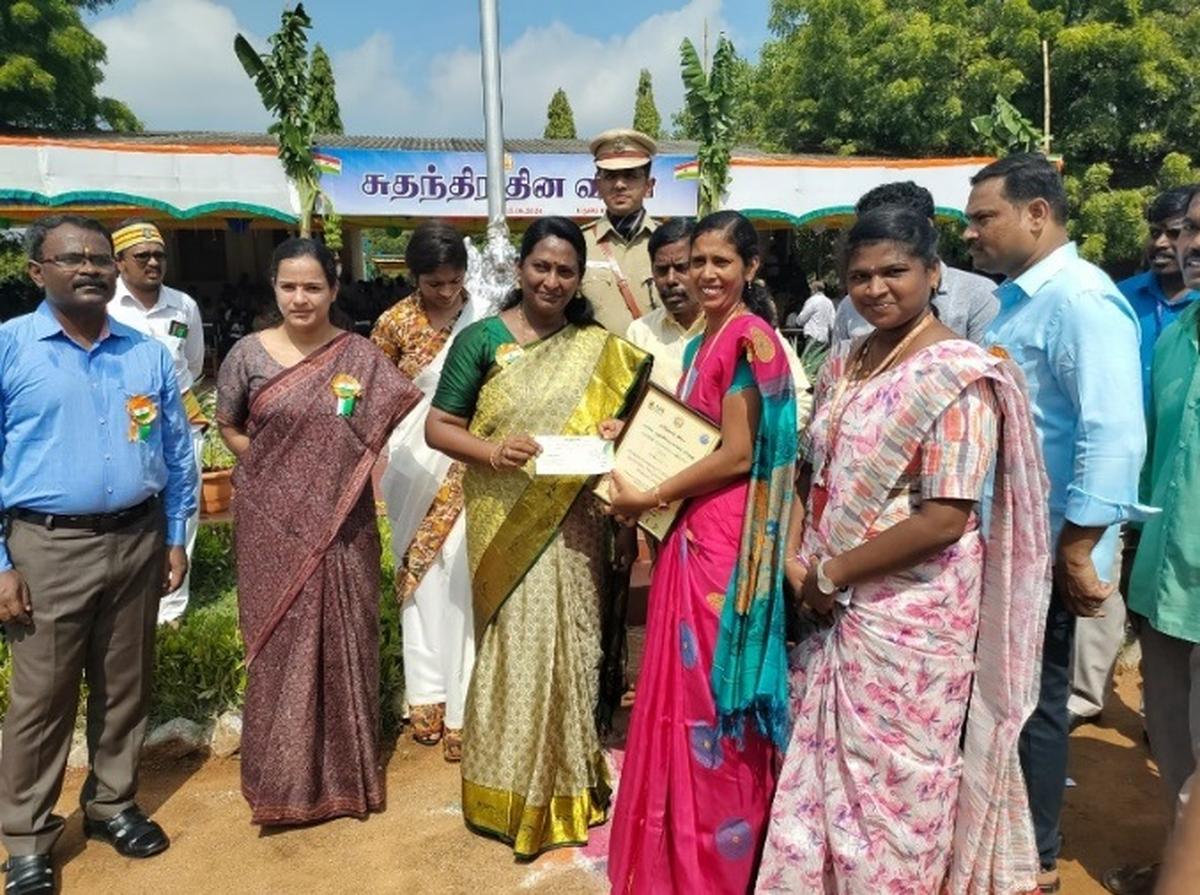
533, 771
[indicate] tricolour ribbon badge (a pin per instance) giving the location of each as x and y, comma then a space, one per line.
347, 390
142, 412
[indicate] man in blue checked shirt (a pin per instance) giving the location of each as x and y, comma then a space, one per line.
97, 482
1076, 339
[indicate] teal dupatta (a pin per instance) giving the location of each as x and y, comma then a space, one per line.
750, 671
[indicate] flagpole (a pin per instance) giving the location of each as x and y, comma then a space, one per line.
493, 114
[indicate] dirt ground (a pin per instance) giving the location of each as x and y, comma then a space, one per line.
1114, 814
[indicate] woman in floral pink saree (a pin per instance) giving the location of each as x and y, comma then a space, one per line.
922, 614
711, 707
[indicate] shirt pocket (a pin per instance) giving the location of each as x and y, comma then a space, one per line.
174, 346
599, 274
141, 400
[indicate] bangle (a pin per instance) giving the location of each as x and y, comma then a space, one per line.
659, 503
495, 456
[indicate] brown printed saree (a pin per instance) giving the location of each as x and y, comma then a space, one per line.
308, 575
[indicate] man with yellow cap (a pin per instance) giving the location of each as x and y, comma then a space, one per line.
618, 280
143, 301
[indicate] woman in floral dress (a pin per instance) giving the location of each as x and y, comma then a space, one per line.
423, 492
920, 614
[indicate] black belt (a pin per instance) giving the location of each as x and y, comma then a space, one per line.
92, 521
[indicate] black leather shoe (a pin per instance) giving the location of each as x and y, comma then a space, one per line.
131, 833
29, 875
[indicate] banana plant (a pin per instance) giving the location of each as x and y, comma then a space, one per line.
709, 96
281, 78
1006, 130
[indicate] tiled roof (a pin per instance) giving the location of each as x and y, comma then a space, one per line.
347, 141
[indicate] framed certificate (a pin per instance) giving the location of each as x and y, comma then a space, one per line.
662, 437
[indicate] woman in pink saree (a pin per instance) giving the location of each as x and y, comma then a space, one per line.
922, 614
711, 707
307, 409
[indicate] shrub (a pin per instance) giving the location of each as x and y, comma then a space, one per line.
214, 453
391, 645
199, 668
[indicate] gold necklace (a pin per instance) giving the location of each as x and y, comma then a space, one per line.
894, 354
705, 349
840, 402
453, 315
529, 326
735, 311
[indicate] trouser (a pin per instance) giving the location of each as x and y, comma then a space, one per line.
614, 634
1043, 743
172, 605
1171, 683
1098, 642
95, 598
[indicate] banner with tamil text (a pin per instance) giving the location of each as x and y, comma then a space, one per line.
415, 183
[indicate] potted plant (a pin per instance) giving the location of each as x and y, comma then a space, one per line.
216, 463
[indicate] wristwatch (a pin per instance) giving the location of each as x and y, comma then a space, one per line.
824, 584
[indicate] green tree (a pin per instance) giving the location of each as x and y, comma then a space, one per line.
12, 258
322, 94
281, 77
645, 113
383, 242
1177, 170
709, 97
50, 69
908, 76
560, 120
901, 77
1108, 223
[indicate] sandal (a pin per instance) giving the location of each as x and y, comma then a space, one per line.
452, 745
426, 723
1048, 880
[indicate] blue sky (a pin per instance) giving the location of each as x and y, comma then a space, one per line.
409, 67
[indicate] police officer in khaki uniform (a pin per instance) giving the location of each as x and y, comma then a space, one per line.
617, 281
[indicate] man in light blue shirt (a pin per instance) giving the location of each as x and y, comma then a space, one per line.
97, 481
1064, 323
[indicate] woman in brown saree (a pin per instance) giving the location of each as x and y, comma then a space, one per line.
533, 772
307, 409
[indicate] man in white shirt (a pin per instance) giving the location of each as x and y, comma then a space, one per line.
815, 319
171, 317
664, 332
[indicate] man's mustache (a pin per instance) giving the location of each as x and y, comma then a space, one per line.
83, 282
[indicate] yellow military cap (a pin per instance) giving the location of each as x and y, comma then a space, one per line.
622, 148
